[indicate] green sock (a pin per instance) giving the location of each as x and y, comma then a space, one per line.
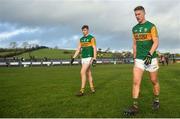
135, 102
82, 90
156, 98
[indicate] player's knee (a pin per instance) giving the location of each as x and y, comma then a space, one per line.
83, 72
89, 74
136, 83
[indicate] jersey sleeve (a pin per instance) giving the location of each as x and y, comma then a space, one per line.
154, 32
93, 42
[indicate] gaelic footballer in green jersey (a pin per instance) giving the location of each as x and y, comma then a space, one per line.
143, 35
87, 47
145, 43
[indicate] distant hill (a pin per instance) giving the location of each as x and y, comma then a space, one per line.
57, 54
8, 52
48, 53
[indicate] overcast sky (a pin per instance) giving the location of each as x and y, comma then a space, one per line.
58, 22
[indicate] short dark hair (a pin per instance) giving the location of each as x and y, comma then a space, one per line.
85, 27
139, 8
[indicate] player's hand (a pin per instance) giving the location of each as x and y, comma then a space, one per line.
148, 59
72, 60
94, 62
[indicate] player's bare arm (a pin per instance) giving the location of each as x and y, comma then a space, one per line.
77, 51
134, 47
95, 49
93, 62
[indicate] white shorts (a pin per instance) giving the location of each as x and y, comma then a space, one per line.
86, 60
151, 67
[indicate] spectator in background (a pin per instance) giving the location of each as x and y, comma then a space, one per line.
162, 60
174, 61
167, 59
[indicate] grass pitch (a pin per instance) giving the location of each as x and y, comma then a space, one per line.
50, 92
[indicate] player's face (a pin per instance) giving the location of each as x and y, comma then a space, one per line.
85, 32
140, 15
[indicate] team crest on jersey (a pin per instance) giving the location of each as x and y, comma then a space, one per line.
145, 29
140, 29
85, 40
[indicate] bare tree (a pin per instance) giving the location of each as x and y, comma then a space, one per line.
25, 45
13, 45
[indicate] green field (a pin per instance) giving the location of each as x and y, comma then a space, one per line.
50, 92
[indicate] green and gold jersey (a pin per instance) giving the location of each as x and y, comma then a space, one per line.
143, 35
87, 43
